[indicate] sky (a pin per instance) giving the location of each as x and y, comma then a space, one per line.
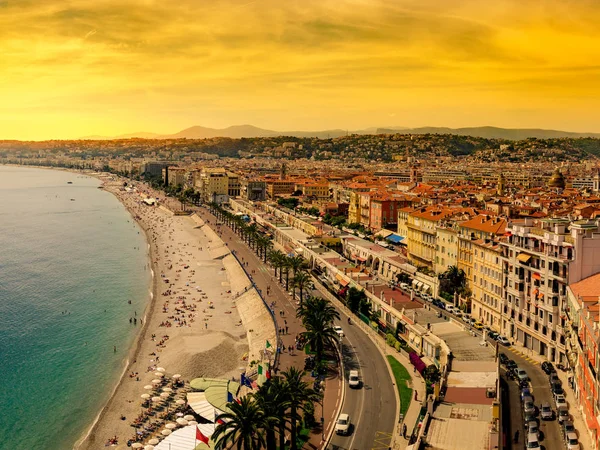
72, 68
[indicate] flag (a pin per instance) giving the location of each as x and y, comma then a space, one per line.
268, 345
229, 397
246, 381
268, 374
201, 437
260, 369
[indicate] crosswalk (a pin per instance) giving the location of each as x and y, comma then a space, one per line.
522, 355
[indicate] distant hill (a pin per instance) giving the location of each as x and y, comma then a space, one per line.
513, 134
250, 131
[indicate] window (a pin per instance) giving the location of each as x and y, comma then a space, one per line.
549, 318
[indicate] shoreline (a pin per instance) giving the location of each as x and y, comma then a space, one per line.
193, 350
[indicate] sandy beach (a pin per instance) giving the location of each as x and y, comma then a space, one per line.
192, 325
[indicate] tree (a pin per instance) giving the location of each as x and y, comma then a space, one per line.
243, 426
432, 374
317, 316
300, 393
273, 398
453, 280
301, 281
354, 298
277, 259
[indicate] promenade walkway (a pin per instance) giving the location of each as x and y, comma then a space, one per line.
285, 314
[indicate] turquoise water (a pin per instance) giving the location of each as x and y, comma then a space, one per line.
67, 271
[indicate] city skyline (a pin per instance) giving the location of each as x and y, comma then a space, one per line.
75, 68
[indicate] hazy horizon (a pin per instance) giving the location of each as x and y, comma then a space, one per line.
75, 68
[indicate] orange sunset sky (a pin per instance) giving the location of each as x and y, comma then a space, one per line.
72, 68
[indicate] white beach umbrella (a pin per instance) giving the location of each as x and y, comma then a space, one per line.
148, 387
160, 369
188, 417
176, 376
153, 441
164, 394
180, 402
145, 396
137, 445
192, 422
167, 389
159, 374
170, 426
179, 414
156, 399
149, 447
166, 432
156, 381
181, 421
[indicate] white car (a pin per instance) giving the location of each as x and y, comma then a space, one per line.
342, 425
339, 331
572, 441
503, 340
561, 401
354, 379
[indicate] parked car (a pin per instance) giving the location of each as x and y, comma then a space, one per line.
528, 406
478, 325
354, 379
450, 308
557, 390
342, 425
572, 441
503, 340
511, 364
339, 331
533, 427
568, 427
457, 312
528, 418
503, 358
563, 414
532, 441
546, 412
522, 375
493, 334
560, 400
472, 321
526, 392
404, 286
547, 367
466, 318
553, 378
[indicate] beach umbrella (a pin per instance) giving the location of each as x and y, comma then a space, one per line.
181, 421
156, 399
166, 432
159, 374
160, 369
153, 441
137, 445
145, 396
170, 426
189, 417
176, 376
192, 422
156, 381
167, 389
179, 414
164, 394
149, 447
148, 387
180, 402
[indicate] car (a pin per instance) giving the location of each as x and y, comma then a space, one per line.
466, 318
526, 392
478, 325
547, 367
529, 406
563, 414
493, 334
342, 424
533, 441
522, 375
457, 312
339, 331
560, 400
427, 297
553, 379
572, 441
354, 379
533, 427
546, 412
528, 418
557, 390
450, 309
472, 321
404, 286
568, 427
503, 340
511, 364
441, 304
503, 358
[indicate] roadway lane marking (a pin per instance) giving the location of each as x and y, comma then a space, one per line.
362, 396
382, 440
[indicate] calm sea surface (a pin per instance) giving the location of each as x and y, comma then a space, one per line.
68, 269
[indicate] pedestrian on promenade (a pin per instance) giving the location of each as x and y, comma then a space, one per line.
416, 395
404, 431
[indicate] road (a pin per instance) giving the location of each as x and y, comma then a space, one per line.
552, 436
372, 408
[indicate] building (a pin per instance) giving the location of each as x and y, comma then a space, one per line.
153, 168
233, 185
213, 185
253, 190
540, 259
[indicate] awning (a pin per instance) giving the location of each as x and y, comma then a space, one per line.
394, 238
419, 284
426, 287
414, 283
416, 361
524, 257
343, 282
360, 258
536, 276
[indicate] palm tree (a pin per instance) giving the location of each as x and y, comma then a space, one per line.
317, 316
297, 263
273, 399
300, 393
301, 281
277, 260
243, 426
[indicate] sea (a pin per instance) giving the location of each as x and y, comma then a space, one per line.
72, 274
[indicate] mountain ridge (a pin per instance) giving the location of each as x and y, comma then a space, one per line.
251, 131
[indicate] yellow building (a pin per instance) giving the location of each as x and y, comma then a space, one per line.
421, 226
213, 185
446, 249
354, 208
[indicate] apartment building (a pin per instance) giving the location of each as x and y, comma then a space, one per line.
233, 185
446, 247
213, 185
540, 259
253, 190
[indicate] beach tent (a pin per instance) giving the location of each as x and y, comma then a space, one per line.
185, 438
201, 406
